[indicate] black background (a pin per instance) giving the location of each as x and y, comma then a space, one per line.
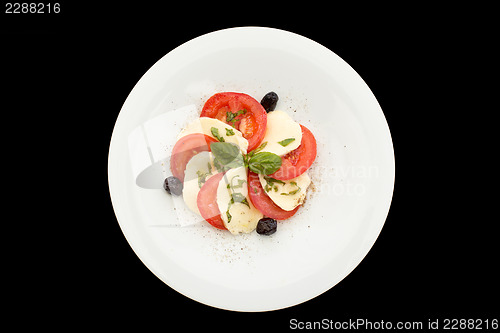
65, 77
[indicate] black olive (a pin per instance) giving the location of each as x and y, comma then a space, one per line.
267, 226
173, 185
269, 101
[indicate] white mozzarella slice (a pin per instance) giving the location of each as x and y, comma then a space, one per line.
243, 219
287, 194
199, 168
205, 124
239, 216
283, 134
238, 177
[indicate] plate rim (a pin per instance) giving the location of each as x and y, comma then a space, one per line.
115, 196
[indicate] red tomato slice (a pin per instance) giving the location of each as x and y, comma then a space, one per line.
207, 202
299, 160
252, 123
184, 149
262, 202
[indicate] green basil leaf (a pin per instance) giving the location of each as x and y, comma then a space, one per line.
231, 117
202, 177
228, 155
238, 197
294, 191
264, 163
229, 132
215, 133
239, 181
259, 148
286, 142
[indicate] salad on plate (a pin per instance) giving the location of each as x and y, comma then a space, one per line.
242, 165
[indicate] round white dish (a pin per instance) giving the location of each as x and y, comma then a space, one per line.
353, 175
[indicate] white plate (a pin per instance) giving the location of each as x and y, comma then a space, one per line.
353, 174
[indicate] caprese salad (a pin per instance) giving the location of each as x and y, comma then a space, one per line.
242, 165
